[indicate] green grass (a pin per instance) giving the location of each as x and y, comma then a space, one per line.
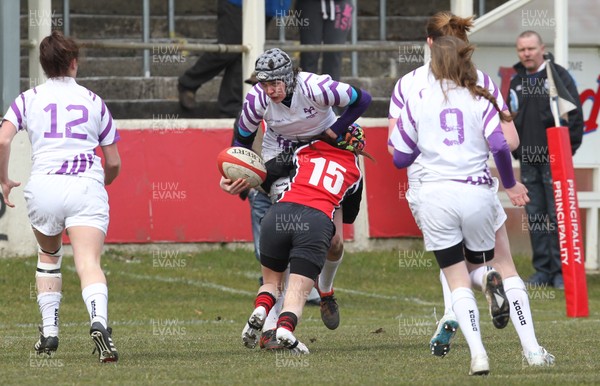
178, 321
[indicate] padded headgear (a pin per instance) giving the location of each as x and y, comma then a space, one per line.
274, 64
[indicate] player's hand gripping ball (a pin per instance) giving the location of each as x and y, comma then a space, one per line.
238, 162
352, 139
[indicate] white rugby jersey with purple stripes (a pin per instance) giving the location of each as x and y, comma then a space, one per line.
418, 79
451, 132
65, 123
308, 115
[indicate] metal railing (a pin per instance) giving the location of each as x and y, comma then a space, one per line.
146, 45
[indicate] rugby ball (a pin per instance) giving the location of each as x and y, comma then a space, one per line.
238, 162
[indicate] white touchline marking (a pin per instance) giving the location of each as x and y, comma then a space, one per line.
220, 287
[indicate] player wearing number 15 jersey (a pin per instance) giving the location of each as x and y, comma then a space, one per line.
297, 230
296, 106
66, 123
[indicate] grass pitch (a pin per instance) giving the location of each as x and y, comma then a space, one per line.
177, 319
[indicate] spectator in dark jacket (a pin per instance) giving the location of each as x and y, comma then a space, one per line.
529, 103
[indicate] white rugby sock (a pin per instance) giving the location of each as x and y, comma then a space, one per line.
447, 295
95, 297
477, 277
49, 303
271, 321
467, 315
520, 313
328, 274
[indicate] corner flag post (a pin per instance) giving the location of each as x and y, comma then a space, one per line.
565, 196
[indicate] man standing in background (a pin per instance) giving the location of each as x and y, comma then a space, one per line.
529, 103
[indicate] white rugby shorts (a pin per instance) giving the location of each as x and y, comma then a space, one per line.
412, 198
450, 212
57, 202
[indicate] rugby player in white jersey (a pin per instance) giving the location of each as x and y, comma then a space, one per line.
441, 24
65, 123
451, 125
297, 106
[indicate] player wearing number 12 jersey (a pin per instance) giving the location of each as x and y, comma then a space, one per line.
66, 123
297, 230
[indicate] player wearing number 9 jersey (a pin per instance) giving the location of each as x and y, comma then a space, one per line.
446, 24
297, 230
452, 125
66, 123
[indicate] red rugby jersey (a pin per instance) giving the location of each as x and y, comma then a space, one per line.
324, 175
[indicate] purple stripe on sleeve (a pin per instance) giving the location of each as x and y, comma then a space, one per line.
103, 110
34, 91
489, 116
325, 96
24, 107
396, 101
401, 98
410, 118
308, 89
246, 115
117, 137
260, 96
486, 111
242, 125
486, 80
15, 109
92, 95
495, 92
252, 103
352, 113
336, 94
405, 137
107, 129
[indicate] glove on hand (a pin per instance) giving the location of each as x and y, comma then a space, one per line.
352, 139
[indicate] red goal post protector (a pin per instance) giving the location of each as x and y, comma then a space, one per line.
568, 223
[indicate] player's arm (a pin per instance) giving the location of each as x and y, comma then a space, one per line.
404, 142
247, 123
7, 133
278, 167
112, 163
351, 204
508, 128
359, 102
516, 191
396, 104
510, 133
